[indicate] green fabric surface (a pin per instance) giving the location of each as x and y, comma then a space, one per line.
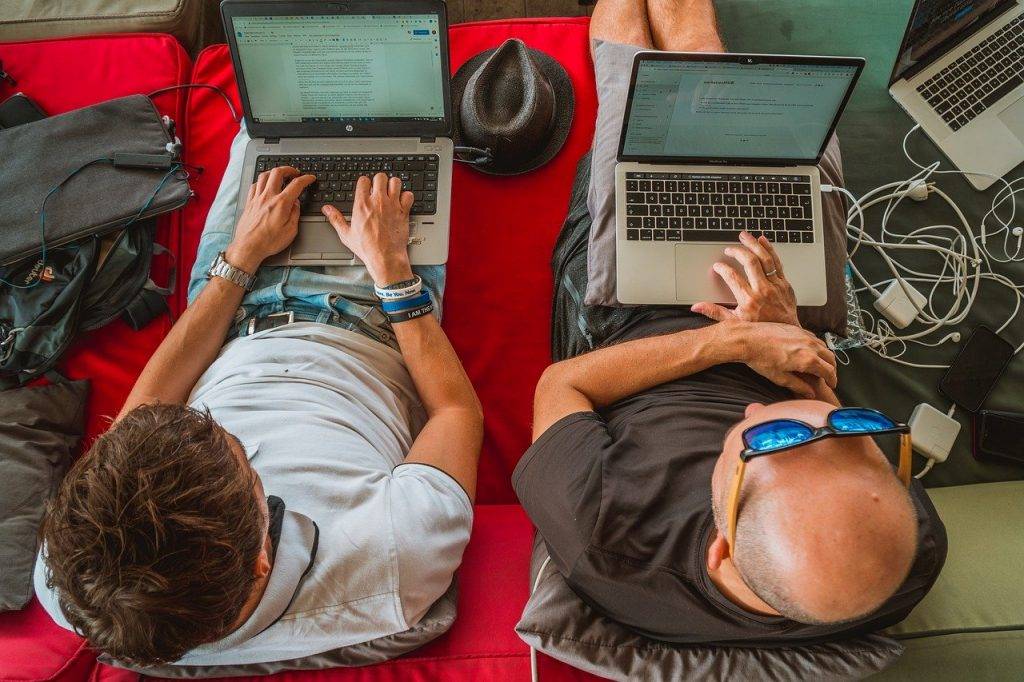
871, 132
971, 625
980, 585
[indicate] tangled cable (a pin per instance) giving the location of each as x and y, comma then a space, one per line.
967, 256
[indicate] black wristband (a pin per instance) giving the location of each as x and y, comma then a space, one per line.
406, 315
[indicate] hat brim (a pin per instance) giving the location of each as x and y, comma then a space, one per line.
561, 84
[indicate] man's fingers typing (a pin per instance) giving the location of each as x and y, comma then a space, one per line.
276, 177
395, 187
407, 201
295, 188
757, 248
767, 246
335, 218
363, 185
380, 184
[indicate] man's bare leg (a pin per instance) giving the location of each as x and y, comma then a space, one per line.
683, 25
621, 21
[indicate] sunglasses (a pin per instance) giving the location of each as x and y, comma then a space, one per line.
779, 435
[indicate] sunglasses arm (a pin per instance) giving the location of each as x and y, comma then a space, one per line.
734, 502
906, 448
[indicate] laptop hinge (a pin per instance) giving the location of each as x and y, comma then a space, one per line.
428, 139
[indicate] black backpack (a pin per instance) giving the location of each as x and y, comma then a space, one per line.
44, 303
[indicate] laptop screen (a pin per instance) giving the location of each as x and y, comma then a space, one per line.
342, 68
729, 110
933, 22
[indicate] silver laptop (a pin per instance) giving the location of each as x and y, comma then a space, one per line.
958, 74
341, 90
714, 144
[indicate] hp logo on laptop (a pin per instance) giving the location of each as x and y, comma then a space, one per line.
349, 128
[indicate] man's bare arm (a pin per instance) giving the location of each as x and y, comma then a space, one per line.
379, 235
777, 351
268, 224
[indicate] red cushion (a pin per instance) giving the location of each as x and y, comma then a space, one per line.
61, 75
498, 298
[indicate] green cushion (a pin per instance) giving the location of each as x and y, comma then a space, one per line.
871, 133
971, 625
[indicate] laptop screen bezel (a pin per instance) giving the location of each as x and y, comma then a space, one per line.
937, 52
735, 58
242, 8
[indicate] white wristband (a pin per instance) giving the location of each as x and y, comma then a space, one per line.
405, 292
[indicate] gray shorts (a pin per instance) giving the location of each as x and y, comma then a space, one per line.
613, 64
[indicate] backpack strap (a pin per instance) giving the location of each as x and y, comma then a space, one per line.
151, 301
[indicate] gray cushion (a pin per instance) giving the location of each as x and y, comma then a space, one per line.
40, 427
437, 621
558, 623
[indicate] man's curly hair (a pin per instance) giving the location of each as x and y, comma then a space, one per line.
152, 537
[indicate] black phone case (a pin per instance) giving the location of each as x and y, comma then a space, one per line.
984, 398
978, 432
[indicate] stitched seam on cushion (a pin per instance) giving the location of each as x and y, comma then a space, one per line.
959, 631
174, 11
657, 647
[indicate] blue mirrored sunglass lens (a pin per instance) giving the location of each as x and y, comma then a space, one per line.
777, 434
856, 420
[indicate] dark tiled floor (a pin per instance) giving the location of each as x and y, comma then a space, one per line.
476, 10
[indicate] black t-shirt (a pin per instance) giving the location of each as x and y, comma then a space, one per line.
622, 499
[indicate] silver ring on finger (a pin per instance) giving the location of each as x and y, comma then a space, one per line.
774, 271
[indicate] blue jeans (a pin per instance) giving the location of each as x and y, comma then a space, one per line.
340, 295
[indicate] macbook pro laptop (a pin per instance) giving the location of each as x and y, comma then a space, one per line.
713, 144
341, 90
958, 74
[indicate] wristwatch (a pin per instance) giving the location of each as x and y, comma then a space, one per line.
222, 268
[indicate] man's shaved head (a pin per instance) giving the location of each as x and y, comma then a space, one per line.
826, 532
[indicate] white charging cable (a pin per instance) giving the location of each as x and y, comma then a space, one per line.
966, 261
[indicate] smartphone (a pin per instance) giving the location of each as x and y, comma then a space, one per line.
976, 369
1000, 436
18, 109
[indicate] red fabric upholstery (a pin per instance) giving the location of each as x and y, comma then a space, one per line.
500, 225
61, 75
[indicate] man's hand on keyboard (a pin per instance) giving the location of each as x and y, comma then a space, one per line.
270, 219
762, 292
379, 231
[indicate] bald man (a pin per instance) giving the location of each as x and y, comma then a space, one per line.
636, 445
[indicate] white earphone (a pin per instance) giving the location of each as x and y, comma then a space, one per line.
966, 260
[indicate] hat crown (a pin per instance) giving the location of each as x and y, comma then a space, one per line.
509, 104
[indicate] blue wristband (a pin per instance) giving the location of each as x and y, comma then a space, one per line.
406, 303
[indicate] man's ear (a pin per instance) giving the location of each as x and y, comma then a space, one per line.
718, 552
263, 565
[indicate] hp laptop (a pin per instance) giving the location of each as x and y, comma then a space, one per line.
341, 90
713, 144
958, 75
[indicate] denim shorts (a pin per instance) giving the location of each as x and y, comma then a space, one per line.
339, 295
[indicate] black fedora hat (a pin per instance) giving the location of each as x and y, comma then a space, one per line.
516, 102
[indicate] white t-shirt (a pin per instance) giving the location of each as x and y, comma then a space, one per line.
327, 417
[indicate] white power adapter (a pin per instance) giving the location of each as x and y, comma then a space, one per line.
897, 307
932, 432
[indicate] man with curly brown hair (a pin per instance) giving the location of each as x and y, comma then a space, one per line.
169, 542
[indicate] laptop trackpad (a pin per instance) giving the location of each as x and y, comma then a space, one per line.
1013, 118
318, 238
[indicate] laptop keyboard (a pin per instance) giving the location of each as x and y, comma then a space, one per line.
689, 207
336, 177
978, 79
